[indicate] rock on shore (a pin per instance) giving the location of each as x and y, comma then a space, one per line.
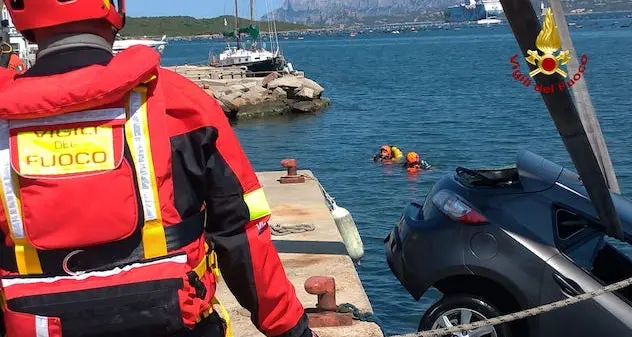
272, 95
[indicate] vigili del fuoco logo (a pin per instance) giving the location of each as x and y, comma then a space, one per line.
547, 62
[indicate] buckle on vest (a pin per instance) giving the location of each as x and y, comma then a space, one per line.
196, 283
213, 264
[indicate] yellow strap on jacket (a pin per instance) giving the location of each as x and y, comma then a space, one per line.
210, 262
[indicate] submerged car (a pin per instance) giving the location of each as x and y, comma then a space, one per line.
495, 242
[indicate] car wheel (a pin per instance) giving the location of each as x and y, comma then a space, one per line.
454, 310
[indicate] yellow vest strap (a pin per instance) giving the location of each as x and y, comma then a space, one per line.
137, 134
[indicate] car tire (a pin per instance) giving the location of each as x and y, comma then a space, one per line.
479, 308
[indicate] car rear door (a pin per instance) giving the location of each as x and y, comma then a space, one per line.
605, 315
568, 274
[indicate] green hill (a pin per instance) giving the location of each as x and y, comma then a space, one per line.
188, 26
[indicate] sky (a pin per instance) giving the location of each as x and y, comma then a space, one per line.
197, 8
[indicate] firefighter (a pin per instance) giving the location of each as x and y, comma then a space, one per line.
113, 171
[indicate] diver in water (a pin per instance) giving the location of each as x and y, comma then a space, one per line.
388, 154
414, 164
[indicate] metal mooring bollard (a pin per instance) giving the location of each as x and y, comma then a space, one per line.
326, 312
292, 176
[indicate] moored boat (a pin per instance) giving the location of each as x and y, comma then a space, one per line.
256, 59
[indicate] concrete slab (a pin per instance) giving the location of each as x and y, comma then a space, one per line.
316, 253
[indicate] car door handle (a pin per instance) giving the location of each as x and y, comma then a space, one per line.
567, 285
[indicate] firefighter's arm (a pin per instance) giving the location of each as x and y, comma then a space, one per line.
237, 215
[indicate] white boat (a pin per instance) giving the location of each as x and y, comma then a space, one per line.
119, 45
489, 21
122, 44
255, 59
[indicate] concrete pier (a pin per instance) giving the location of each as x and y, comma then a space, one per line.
314, 253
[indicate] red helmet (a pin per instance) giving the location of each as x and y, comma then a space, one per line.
32, 14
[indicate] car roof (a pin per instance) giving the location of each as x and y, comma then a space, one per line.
536, 173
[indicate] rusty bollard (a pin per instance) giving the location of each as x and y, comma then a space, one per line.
326, 312
292, 177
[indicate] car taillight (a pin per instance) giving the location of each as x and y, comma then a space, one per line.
456, 208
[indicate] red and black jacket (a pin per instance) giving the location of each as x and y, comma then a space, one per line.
209, 170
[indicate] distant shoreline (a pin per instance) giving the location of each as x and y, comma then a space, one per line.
333, 28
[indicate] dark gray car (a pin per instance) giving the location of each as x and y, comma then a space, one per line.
501, 241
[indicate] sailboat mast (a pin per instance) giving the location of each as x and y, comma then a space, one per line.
252, 11
237, 23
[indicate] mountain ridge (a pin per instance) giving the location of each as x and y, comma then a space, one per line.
346, 12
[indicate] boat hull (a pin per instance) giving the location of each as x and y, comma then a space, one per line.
268, 65
273, 64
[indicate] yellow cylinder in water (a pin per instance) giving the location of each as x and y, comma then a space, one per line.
349, 232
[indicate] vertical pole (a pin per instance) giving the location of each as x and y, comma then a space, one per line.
252, 12
237, 23
583, 102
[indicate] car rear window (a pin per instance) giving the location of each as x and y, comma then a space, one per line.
488, 177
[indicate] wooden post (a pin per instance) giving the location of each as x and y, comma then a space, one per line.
583, 101
526, 27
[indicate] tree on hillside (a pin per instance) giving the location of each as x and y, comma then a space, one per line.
189, 26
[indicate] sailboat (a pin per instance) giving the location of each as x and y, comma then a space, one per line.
256, 59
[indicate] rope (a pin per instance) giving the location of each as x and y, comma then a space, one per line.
522, 314
279, 229
357, 314
330, 200
361, 316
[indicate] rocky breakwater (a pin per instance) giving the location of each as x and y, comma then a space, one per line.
272, 95
245, 97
